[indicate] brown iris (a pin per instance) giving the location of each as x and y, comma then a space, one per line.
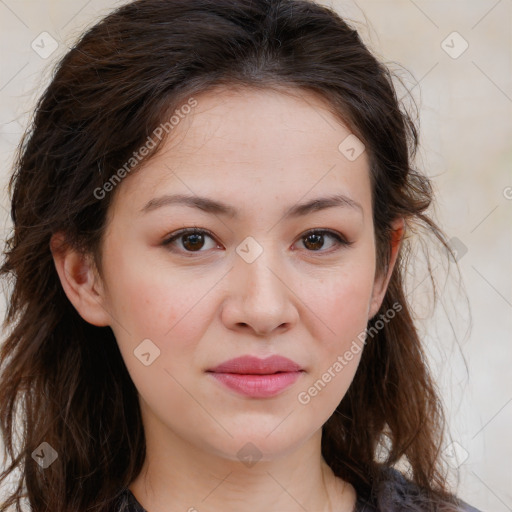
196, 241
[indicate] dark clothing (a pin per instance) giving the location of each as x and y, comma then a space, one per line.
393, 494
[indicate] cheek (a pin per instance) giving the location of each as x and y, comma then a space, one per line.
150, 302
349, 313
340, 303
160, 306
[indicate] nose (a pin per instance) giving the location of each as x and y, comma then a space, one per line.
260, 298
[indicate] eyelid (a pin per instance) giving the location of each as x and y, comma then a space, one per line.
187, 231
338, 236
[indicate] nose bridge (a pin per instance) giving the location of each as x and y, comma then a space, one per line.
257, 265
260, 297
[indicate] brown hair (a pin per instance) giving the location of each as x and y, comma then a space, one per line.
122, 79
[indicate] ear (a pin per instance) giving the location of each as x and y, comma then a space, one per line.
80, 281
381, 282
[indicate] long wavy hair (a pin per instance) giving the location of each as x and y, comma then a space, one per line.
125, 76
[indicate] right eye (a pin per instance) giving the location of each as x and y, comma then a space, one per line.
192, 240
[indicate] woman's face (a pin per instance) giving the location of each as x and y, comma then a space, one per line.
256, 171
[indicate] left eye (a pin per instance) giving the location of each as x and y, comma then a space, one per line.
316, 238
193, 240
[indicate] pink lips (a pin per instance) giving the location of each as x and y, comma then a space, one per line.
257, 378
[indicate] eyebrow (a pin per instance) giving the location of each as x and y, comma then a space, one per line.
219, 208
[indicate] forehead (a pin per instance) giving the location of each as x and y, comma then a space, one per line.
253, 142
261, 123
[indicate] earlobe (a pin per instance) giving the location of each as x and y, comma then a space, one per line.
79, 281
381, 282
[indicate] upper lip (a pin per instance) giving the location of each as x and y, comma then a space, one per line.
255, 365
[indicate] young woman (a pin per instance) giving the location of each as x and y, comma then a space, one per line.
212, 211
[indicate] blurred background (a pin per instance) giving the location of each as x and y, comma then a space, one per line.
455, 58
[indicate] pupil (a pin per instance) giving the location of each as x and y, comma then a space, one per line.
195, 239
317, 241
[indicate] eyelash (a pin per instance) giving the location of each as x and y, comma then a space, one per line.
341, 241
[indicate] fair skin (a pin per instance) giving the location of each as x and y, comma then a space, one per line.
261, 152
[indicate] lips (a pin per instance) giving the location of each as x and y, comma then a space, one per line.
255, 366
257, 378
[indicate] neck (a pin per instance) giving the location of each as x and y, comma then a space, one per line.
178, 475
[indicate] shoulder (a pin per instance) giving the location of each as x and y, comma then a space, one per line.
128, 503
394, 493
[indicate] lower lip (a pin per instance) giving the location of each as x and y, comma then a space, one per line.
257, 386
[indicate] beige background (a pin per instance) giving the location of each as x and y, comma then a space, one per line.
466, 130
